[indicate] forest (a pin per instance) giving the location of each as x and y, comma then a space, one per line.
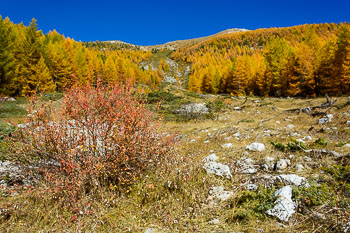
31, 62
307, 60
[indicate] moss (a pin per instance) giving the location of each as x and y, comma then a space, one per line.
253, 205
314, 195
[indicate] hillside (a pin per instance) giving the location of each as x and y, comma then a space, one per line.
189, 136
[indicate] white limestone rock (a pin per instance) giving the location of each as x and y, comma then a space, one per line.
227, 145
219, 193
256, 146
282, 164
210, 158
293, 179
246, 166
218, 169
325, 119
284, 206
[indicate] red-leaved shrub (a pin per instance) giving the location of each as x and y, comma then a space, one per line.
100, 137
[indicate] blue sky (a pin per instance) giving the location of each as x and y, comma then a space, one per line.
155, 22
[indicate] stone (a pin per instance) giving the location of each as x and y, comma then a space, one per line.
255, 146
284, 206
300, 140
210, 158
282, 164
307, 138
218, 169
295, 134
193, 109
251, 187
237, 108
293, 179
269, 163
299, 167
215, 221
219, 193
278, 122
151, 230
348, 122
307, 159
290, 126
347, 145
206, 141
237, 135
325, 119
246, 166
227, 145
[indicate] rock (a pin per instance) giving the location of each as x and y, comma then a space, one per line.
293, 179
290, 126
219, 193
206, 141
210, 158
227, 145
255, 146
218, 169
237, 135
246, 166
295, 134
193, 109
269, 163
278, 122
307, 110
7, 99
251, 187
307, 138
151, 230
282, 164
307, 159
325, 119
347, 145
300, 140
284, 205
299, 167
348, 122
237, 108
169, 79
215, 221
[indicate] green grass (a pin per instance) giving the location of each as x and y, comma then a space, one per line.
13, 109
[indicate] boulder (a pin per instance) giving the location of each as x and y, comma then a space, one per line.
218, 169
325, 119
255, 146
284, 206
292, 179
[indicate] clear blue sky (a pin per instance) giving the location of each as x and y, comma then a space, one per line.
152, 22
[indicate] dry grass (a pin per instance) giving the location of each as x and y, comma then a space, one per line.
175, 199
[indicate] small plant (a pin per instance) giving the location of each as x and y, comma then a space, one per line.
103, 137
253, 204
293, 145
279, 146
321, 141
314, 195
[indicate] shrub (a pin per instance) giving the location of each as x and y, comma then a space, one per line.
102, 137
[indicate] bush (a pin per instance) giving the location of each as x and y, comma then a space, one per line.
103, 137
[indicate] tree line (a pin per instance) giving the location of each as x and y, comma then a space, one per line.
306, 60
31, 62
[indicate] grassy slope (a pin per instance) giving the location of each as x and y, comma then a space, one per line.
176, 199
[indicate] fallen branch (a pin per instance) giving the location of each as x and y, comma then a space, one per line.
308, 110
